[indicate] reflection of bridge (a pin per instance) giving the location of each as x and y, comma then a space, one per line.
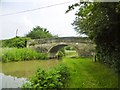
53, 45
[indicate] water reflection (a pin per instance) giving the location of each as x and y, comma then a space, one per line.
11, 82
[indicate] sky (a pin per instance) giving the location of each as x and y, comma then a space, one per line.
53, 18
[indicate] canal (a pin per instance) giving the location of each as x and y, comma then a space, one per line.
14, 74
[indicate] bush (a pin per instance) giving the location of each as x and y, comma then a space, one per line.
18, 42
109, 55
21, 54
54, 78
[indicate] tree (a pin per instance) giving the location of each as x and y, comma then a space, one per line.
100, 21
38, 33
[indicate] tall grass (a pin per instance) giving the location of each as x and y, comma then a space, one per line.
21, 54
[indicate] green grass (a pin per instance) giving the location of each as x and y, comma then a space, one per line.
21, 54
71, 53
84, 73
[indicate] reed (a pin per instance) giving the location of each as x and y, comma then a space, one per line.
21, 54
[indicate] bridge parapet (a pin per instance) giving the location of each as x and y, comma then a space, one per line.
61, 39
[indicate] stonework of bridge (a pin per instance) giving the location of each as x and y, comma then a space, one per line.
53, 45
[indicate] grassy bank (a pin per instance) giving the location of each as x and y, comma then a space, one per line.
84, 73
21, 54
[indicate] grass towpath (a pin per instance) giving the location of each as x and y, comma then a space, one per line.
84, 73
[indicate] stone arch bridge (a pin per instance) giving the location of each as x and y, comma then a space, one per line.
53, 45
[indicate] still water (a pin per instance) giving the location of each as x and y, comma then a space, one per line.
11, 82
25, 69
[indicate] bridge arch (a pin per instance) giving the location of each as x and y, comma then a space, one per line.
54, 49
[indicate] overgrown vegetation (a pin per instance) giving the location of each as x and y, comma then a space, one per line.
21, 54
100, 21
51, 79
18, 42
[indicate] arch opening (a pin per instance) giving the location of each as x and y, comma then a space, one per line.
55, 49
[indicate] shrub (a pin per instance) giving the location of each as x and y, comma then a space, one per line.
54, 78
109, 55
19, 42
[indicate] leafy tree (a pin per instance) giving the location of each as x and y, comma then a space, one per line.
38, 33
100, 21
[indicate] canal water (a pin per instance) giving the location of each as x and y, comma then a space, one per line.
11, 82
12, 70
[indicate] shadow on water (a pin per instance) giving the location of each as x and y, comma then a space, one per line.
11, 82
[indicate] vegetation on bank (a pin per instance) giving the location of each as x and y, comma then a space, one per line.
81, 73
53, 78
84, 73
18, 42
100, 21
21, 54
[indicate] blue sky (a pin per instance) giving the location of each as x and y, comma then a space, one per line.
52, 18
